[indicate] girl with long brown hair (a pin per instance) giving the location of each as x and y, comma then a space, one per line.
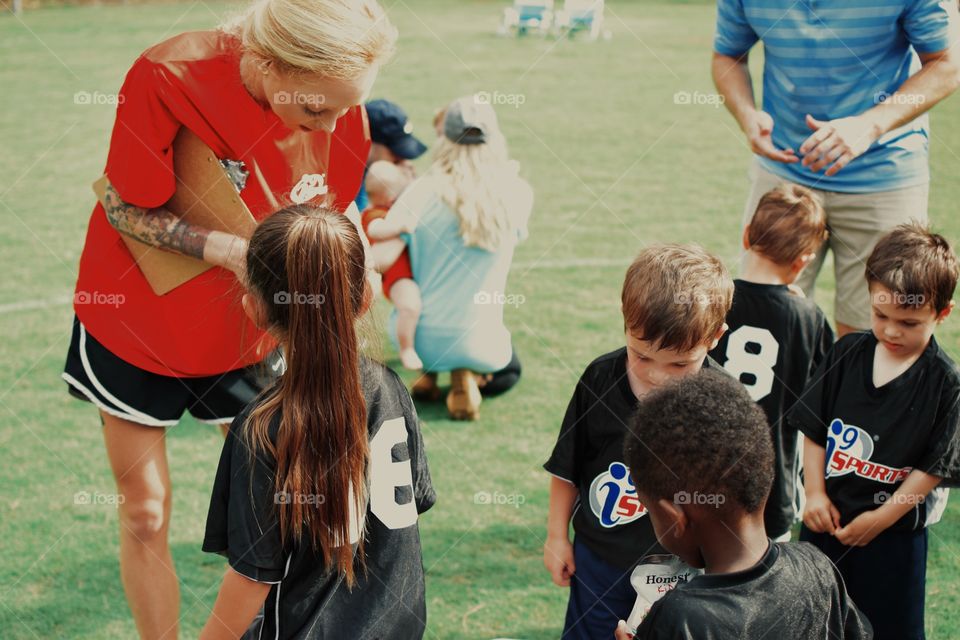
322, 477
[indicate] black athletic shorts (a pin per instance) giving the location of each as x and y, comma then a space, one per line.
117, 387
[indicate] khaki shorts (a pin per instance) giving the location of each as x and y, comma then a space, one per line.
857, 221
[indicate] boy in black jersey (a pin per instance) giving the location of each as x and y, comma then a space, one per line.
881, 418
674, 302
708, 509
776, 338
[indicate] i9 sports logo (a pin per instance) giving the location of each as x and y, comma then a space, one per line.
852, 441
849, 449
613, 498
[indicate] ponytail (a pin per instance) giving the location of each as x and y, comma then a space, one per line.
307, 267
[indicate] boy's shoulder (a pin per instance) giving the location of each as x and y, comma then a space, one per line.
943, 363
768, 297
610, 363
853, 344
787, 571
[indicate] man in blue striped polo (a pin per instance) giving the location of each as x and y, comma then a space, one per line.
846, 86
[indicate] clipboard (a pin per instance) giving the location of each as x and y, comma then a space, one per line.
204, 196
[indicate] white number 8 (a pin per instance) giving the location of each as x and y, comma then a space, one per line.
759, 365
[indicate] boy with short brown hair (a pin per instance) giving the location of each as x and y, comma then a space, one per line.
674, 301
882, 426
776, 337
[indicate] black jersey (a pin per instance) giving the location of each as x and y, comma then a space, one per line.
608, 516
308, 599
793, 593
775, 341
875, 436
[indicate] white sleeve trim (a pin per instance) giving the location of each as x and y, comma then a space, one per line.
562, 478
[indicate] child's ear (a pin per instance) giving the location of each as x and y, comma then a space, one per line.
943, 315
255, 310
745, 240
676, 518
716, 338
801, 262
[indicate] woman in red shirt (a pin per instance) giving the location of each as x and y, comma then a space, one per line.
275, 95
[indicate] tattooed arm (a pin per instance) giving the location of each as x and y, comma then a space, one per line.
163, 229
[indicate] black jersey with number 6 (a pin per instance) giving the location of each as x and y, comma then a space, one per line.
308, 599
775, 341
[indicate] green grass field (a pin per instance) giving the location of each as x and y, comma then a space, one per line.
615, 164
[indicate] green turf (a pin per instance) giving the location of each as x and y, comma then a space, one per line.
615, 164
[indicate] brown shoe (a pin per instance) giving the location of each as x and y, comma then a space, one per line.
425, 388
463, 401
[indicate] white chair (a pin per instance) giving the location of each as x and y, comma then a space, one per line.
580, 15
527, 15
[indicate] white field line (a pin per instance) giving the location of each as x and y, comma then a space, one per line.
65, 299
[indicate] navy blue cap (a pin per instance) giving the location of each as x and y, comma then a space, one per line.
390, 127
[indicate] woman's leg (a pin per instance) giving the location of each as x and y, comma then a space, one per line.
138, 458
499, 381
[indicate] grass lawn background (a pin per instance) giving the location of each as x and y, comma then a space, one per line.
615, 164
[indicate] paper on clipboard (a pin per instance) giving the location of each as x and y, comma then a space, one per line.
204, 196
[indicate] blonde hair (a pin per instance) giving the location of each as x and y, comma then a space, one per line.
338, 39
471, 180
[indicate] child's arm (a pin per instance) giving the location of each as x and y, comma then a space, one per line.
386, 229
820, 515
868, 525
238, 602
384, 254
558, 551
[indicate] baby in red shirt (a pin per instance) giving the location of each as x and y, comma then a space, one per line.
384, 183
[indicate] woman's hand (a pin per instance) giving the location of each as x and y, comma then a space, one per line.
228, 251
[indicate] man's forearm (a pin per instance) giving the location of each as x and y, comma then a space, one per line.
731, 76
939, 77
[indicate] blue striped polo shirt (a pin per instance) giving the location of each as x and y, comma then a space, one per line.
833, 60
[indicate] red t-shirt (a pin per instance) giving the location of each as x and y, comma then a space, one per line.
193, 80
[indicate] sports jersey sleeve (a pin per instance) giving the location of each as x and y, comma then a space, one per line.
668, 619
423, 491
734, 36
564, 462
809, 413
942, 457
242, 520
824, 343
140, 159
927, 25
